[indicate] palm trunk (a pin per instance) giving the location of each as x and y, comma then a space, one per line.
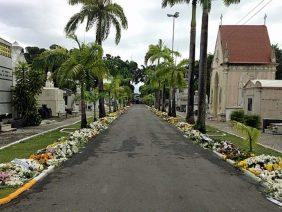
163, 96
191, 71
94, 112
110, 109
156, 100
173, 109
115, 105
102, 111
169, 103
159, 100
83, 108
201, 121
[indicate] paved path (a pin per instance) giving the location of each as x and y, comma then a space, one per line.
143, 164
267, 140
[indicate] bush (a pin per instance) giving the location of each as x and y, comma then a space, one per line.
33, 119
252, 121
149, 100
238, 116
249, 120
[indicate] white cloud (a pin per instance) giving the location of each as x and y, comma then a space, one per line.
41, 23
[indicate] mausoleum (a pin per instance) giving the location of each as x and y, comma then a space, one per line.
242, 53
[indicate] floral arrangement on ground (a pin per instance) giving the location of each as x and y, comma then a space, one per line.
19, 171
267, 168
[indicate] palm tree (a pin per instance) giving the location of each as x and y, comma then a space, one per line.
83, 63
251, 135
201, 121
191, 71
157, 54
108, 90
93, 96
102, 14
175, 75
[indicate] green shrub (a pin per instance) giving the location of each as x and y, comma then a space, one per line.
252, 121
238, 116
149, 99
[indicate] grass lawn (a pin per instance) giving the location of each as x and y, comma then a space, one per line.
31, 146
239, 142
6, 191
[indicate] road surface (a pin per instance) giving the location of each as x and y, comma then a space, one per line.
141, 163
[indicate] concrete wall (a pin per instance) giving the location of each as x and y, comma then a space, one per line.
53, 98
6, 79
267, 102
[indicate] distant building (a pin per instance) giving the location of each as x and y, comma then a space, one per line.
263, 98
6, 78
242, 53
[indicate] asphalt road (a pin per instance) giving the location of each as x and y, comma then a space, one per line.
143, 164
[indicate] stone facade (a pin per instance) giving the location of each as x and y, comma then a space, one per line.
52, 97
263, 98
6, 78
228, 79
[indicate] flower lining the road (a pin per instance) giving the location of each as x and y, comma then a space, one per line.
267, 168
19, 171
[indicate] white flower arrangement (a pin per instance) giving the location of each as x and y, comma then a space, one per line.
19, 171
268, 168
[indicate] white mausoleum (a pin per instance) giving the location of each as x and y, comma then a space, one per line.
263, 98
242, 53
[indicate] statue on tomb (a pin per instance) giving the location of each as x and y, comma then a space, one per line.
49, 82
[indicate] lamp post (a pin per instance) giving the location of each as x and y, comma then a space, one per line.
171, 110
173, 16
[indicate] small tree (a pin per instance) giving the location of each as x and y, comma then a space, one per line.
250, 134
93, 96
29, 84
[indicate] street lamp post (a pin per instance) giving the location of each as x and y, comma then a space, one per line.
173, 16
172, 92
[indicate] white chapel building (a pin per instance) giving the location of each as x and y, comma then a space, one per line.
242, 53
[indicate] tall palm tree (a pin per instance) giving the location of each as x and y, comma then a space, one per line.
102, 14
191, 71
156, 54
81, 64
201, 121
175, 76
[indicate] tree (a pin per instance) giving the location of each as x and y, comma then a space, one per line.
103, 14
156, 54
278, 54
83, 63
191, 71
93, 97
251, 135
51, 60
175, 77
29, 85
202, 89
32, 52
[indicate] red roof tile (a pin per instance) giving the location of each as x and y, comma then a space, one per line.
247, 44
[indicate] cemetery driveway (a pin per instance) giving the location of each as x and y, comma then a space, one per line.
141, 163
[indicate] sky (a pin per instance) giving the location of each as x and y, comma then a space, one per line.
41, 23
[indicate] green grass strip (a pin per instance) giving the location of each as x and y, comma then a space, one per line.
29, 147
6, 191
214, 133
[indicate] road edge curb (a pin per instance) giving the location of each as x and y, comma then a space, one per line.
26, 186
